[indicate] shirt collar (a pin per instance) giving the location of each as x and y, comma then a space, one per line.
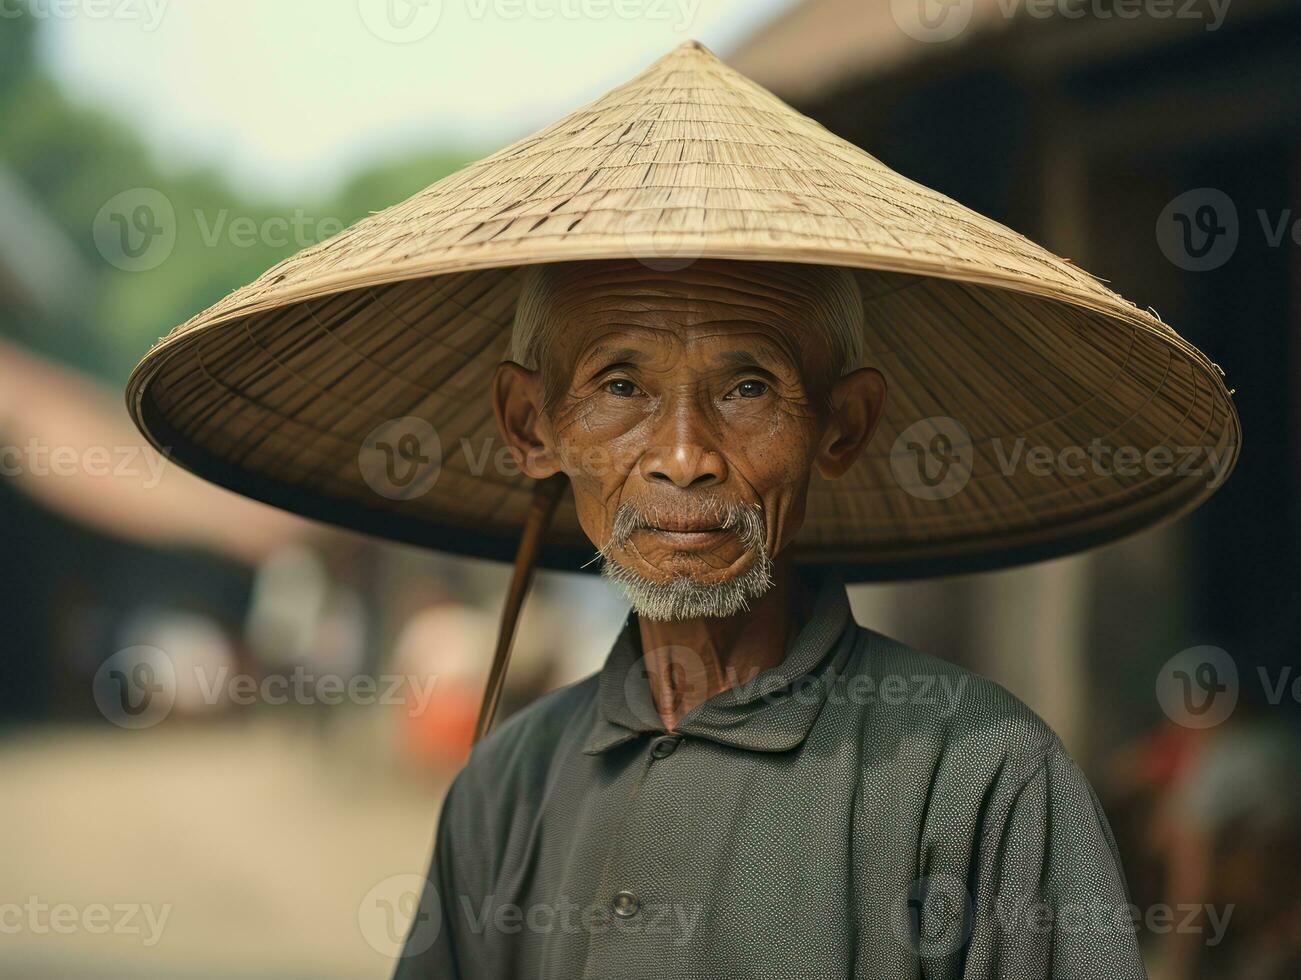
771, 713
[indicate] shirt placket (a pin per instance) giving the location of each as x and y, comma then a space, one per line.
636, 932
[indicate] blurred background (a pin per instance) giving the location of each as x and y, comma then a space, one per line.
156, 154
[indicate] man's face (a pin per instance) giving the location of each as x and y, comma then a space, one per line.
686, 399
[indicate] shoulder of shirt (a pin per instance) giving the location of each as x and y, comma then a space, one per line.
953, 707
522, 745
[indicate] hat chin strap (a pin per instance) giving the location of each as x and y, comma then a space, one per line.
546, 495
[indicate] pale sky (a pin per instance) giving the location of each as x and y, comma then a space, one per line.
288, 96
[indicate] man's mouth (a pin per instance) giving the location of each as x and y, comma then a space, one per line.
687, 535
709, 526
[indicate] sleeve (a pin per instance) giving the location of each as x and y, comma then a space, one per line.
430, 952
1049, 897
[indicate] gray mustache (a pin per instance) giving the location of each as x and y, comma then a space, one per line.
747, 522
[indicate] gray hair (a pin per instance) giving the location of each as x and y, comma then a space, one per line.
839, 307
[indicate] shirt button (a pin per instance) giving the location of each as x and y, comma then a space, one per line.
665, 745
626, 904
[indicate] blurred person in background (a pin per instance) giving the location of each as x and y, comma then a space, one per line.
442, 655
1229, 831
1211, 820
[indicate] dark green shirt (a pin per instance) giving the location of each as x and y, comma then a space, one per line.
860, 810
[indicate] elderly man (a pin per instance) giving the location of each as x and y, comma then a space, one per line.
753, 785
745, 362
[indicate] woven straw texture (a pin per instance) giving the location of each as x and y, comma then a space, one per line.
1005, 363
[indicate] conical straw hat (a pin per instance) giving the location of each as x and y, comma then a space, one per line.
1031, 411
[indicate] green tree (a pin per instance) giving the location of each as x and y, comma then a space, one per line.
73, 161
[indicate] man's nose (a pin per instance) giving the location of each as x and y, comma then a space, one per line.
683, 452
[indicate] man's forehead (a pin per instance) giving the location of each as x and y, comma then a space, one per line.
723, 313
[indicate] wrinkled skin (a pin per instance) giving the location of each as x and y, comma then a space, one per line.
677, 391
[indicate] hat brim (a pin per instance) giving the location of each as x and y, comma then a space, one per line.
283, 404
1031, 411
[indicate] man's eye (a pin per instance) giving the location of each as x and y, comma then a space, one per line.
621, 387
750, 389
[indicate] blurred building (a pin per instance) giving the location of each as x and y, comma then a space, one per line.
98, 532
1080, 132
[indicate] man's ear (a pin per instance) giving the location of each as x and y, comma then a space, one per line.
517, 403
856, 402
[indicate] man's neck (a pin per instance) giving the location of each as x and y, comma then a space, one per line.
689, 661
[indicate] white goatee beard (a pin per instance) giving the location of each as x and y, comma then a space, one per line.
681, 597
